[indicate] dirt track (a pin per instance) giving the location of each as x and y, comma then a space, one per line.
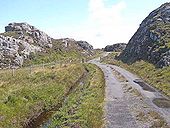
129, 101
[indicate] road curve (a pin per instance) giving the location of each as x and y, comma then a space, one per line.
127, 104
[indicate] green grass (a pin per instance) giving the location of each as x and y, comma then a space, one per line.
96, 53
57, 53
11, 34
157, 77
52, 56
24, 96
84, 107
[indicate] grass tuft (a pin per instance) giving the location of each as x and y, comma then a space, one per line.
158, 78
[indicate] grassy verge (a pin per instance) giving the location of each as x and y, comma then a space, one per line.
96, 53
158, 78
52, 56
84, 107
24, 95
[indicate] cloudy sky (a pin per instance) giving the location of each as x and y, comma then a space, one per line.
100, 22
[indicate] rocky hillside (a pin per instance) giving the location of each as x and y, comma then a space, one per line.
151, 42
22, 42
119, 47
85, 45
29, 34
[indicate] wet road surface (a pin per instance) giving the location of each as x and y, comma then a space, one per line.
129, 101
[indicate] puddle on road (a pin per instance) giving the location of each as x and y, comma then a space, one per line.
144, 85
161, 102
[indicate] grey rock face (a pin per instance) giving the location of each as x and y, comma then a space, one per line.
151, 42
67, 41
165, 60
14, 51
82, 47
85, 45
26, 40
26, 30
20, 40
119, 47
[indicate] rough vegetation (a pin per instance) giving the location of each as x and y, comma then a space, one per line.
84, 107
22, 43
73, 94
59, 52
25, 96
151, 42
157, 77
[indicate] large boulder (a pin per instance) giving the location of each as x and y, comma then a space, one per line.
151, 42
85, 45
28, 31
119, 47
14, 51
19, 42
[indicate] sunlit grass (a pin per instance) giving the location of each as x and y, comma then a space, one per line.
25, 95
84, 107
157, 77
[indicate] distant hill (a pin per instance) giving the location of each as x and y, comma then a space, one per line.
151, 42
22, 44
119, 47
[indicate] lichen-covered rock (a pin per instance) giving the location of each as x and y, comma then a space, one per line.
119, 47
22, 43
19, 41
30, 33
151, 42
14, 51
165, 60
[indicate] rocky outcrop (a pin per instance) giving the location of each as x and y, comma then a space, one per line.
22, 42
151, 42
19, 41
14, 51
85, 45
30, 34
119, 47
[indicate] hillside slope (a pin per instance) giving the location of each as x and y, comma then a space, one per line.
119, 47
71, 95
22, 43
151, 42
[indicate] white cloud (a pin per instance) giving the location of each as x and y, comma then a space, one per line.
105, 25
104, 15
108, 25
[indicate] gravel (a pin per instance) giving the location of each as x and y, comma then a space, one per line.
127, 105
